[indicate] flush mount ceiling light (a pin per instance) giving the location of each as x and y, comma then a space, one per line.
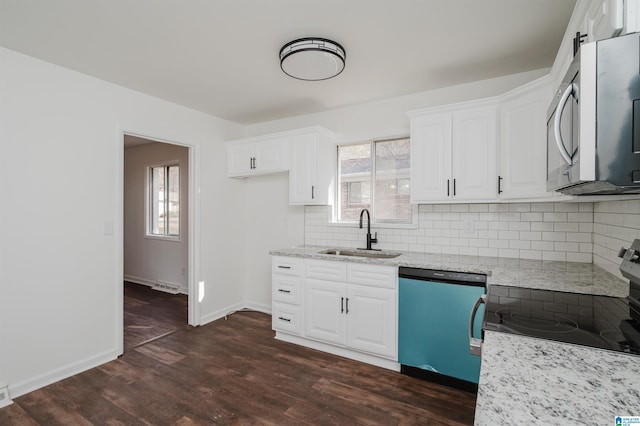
312, 59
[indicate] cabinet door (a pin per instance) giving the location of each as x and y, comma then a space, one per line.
303, 187
324, 308
604, 19
271, 156
239, 159
523, 144
371, 320
430, 157
475, 152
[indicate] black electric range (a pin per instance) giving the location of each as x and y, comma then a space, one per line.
605, 322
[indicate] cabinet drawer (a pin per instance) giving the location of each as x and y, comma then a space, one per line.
286, 318
372, 275
327, 271
287, 265
286, 289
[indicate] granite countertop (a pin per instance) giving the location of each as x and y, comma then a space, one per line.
524, 380
571, 277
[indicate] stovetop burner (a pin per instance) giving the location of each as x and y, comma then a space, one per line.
599, 321
542, 322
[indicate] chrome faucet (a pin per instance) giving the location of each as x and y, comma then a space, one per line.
370, 240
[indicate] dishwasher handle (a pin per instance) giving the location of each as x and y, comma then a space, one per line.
475, 344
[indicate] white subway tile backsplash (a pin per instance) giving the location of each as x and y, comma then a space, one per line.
567, 247
539, 231
520, 244
480, 208
542, 245
555, 217
520, 207
554, 236
566, 227
554, 255
530, 236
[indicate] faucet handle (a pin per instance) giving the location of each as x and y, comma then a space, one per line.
374, 240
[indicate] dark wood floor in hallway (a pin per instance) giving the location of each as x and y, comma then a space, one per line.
233, 372
149, 314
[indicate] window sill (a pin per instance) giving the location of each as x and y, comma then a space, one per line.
162, 238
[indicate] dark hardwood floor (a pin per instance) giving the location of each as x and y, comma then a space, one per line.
149, 314
233, 372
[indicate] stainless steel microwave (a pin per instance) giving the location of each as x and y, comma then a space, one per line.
593, 123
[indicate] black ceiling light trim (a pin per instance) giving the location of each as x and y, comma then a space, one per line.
312, 58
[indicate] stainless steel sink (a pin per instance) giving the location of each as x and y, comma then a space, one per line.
360, 253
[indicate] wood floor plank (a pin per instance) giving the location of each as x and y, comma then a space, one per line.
233, 372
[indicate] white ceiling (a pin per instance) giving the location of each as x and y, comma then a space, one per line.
221, 56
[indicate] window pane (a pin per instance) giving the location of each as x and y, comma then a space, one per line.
156, 201
392, 184
174, 201
354, 180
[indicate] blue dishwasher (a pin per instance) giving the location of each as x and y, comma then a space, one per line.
435, 322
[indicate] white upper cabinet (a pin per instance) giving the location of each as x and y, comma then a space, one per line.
454, 153
259, 155
605, 19
313, 160
475, 149
430, 157
523, 141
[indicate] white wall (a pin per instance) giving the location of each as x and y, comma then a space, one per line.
147, 260
271, 224
61, 142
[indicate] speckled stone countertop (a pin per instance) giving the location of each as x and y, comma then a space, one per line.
524, 380
571, 277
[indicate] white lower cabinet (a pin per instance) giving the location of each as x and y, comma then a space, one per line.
371, 320
347, 305
324, 309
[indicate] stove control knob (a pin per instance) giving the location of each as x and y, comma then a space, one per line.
629, 254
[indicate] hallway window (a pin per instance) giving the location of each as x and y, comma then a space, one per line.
163, 217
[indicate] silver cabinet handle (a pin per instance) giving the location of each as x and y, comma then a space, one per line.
313, 190
284, 319
347, 310
342, 305
475, 344
284, 267
571, 89
284, 291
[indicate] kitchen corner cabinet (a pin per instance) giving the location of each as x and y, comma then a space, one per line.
351, 307
259, 155
454, 153
313, 160
523, 141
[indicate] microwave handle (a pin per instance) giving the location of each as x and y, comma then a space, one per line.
571, 89
475, 344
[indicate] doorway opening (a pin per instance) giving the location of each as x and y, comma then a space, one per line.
157, 251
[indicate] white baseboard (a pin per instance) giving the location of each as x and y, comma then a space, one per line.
150, 283
62, 373
7, 402
260, 307
220, 313
343, 352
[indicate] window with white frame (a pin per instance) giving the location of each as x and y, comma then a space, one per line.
374, 175
163, 212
